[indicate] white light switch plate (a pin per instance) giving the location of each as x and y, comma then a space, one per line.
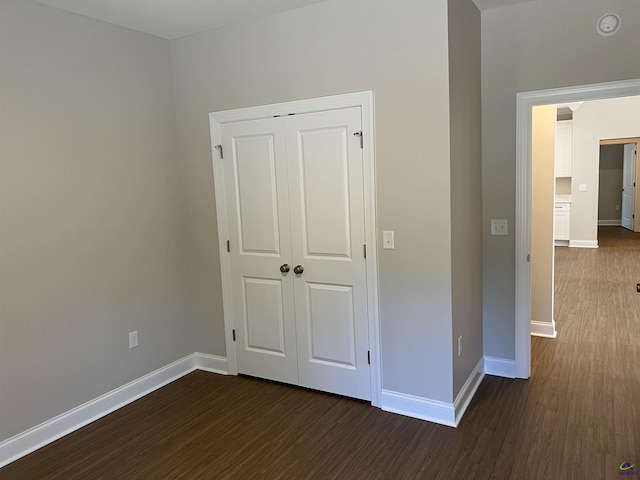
499, 227
133, 339
388, 242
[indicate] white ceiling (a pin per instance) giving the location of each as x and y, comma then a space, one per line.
176, 18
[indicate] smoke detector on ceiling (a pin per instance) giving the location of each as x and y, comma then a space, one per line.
608, 24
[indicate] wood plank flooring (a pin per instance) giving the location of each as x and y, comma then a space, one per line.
578, 417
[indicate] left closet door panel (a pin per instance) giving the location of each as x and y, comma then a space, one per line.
255, 167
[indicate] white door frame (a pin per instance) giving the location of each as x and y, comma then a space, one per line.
525, 101
364, 100
624, 141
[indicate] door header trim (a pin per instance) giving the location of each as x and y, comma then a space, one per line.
319, 104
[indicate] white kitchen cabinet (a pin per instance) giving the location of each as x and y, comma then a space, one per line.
562, 219
563, 148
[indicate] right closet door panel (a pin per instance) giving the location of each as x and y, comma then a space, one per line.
326, 198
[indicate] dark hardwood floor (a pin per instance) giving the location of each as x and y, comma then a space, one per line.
578, 417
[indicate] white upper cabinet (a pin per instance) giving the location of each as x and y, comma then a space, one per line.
563, 148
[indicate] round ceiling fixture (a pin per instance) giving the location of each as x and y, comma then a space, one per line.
608, 24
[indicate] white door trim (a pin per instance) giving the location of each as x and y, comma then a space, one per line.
525, 101
365, 101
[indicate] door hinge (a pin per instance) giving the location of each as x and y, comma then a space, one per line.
528, 257
228, 246
219, 147
364, 250
369, 357
359, 134
233, 333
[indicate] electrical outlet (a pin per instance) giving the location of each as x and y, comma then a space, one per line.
499, 227
133, 339
582, 187
460, 345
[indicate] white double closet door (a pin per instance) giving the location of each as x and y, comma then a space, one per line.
295, 203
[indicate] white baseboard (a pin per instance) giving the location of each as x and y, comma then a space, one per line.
500, 367
583, 243
211, 363
610, 223
448, 414
544, 329
468, 390
49, 431
419, 407
26, 442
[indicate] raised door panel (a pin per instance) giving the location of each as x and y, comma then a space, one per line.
330, 310
256, 190
324, 192
263, 316
260, 242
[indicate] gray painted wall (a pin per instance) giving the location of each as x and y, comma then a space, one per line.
610, 183
466, 186
533, 46
108, 217
334, 47
90, 210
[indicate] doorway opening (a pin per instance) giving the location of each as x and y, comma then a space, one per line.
524, 105
617, 201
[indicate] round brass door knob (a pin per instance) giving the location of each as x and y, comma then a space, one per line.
298, 269
285, 268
